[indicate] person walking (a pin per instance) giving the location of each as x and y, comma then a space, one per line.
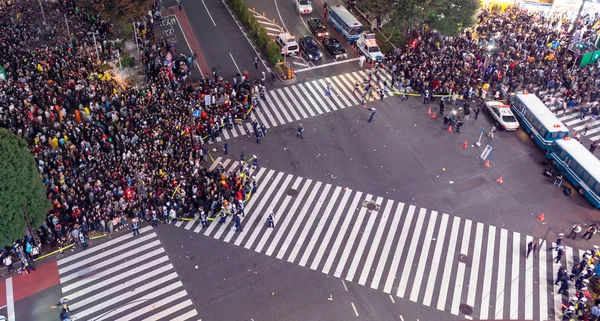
575, 230
154, 219
237, 220
361, 61
372, 114
135, 227
442, 106
7, 261
532, 247
226, 148
459, 123
477, 110
561, 252
255, 62
559, 241
564, 287
593, 146
203, 219
179, 4
300, 131
590, 231
271, 220
560, 275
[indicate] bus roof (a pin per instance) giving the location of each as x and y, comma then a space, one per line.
345, 15
582, 156
542, 113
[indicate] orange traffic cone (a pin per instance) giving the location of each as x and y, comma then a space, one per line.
450, 128
499, 180
465, 144
486, 164
434, 116
429, 111
541, 217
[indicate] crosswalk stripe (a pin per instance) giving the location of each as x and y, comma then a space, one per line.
337, 92
172, 309
348, 98
312, 100
304, 103
216, 163
460, 275
308, 224
433, 270
416, 288
387, 288
501, 274
317, 97
266, 213
299, 218
118, 277
332, 98
363, 241
351, 239
188, 315
528, 281
332, 226
261, 112
375, 243
472, 285
283, 207
342, 232
105, 262
514, 281
569, 261
279, 106
282, 226
97, 248
387, 246
555, 267
158, 304
189, 225
292, 108
320, 224
412, 250
447, 269
272, 107
487, 277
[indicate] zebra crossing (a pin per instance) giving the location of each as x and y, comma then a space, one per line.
293, 103
126, 278
578, 125
467, 268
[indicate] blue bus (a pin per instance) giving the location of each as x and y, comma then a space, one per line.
537, 120
345, 23
579, 166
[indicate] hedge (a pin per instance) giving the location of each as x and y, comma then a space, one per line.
257, 32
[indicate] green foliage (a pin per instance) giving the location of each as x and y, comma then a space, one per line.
447, 17
20, 185
255, 31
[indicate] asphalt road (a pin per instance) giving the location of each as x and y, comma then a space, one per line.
232, 283
402, 153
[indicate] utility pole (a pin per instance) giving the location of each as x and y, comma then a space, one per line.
136, 38
571, 35
67, 23
95, 45
29, 228
42, 9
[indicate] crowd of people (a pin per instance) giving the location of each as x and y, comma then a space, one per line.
508, 50
108, 152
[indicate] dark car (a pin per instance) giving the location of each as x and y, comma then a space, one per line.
315, 25
309, 48
334, 48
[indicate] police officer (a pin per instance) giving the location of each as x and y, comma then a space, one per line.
271, 220
560, 275
237, 220
135, 227
255, 161
203, 219
300, 131
256, 62
561, 251
241, 208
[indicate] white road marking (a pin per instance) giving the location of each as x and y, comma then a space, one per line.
354, 307
209, 15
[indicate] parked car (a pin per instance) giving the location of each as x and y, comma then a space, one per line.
502, 115
334, 48
309, 48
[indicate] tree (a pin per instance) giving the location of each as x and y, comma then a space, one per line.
445, 16
20, 186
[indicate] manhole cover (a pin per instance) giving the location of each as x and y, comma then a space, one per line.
465, 309
372, 206
464, 259
292, 192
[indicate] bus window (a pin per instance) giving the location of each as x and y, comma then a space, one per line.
597, 189
563, 154
543, 132
586, 176
590, 182
579, 170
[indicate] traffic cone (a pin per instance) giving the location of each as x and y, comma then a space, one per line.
429, 111
434, 116
486, 164
541, 217
499, 180
465, 144
450, 128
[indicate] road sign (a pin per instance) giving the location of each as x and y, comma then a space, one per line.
482, 130
486, 152
196, 113
555, 44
